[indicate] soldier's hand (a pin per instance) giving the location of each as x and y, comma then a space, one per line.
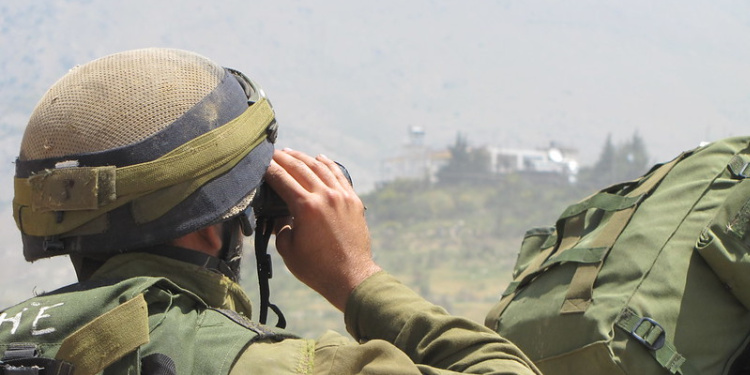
326, 244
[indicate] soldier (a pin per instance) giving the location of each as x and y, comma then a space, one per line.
142, 166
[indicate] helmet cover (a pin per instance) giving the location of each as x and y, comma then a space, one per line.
138, 148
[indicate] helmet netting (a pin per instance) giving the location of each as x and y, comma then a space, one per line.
116, 101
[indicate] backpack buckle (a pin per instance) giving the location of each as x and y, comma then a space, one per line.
20, 350
743, 171
739, 167
653, 337
25, 359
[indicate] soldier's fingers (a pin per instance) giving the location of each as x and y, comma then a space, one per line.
284, 184
336, 171
297, 169
321, 170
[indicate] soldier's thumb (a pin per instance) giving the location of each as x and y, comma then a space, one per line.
284, 240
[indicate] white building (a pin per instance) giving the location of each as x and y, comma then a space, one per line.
551, 160
417, 161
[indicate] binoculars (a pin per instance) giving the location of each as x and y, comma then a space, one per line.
268, 204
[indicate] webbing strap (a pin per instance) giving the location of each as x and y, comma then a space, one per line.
581, 289
572, 221
586, 255
653, 336
578, 297
603, 201
571, 231
85, 193
583, 255
107, 338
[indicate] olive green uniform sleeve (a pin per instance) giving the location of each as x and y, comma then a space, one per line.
398, 333
382, 308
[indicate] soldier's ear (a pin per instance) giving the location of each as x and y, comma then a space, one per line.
206, 240
211, 239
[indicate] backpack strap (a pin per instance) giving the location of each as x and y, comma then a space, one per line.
653, 336
107, 338
571, 223
581, 289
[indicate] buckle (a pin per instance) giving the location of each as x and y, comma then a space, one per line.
20, 350
253, 91
658, 343
742, 171
739, 167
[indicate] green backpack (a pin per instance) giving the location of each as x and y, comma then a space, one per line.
650, 276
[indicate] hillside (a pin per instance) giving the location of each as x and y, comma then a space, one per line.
456, 241
455, 245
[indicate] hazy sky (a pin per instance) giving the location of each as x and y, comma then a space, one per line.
348, 78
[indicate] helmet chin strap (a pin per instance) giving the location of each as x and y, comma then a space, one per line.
231, 250
195, 257
227, 261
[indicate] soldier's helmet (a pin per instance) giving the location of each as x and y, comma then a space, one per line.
138, 148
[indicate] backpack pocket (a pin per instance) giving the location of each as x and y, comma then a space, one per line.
725, 243
534, 241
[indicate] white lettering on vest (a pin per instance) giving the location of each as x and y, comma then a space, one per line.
41, 315
16, 320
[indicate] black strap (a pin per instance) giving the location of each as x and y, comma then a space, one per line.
264, 227
741, 365
191, 256
263, 331
158, 364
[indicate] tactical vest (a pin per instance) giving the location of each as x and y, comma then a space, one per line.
140, 325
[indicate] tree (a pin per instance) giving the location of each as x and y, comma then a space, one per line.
466, 165
634, 157
604, 169
617, 163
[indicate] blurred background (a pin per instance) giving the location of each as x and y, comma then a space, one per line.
462, 123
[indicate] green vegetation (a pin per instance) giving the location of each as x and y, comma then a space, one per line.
616, 163
467, 165
455, 241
